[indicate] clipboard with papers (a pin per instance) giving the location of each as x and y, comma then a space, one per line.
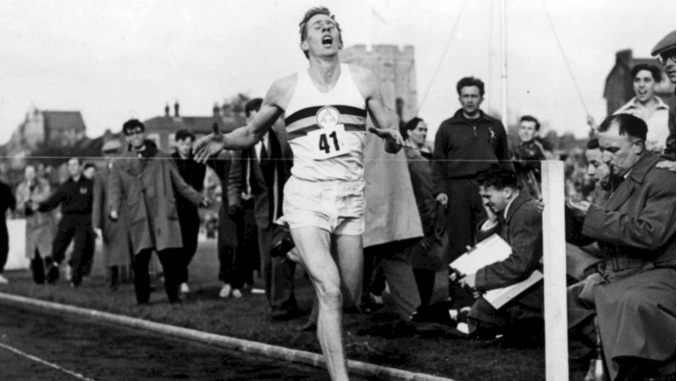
491, 250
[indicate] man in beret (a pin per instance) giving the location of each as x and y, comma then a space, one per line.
665, 53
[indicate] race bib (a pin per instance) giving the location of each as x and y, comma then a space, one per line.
329, 141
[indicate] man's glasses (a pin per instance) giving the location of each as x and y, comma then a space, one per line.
666, 56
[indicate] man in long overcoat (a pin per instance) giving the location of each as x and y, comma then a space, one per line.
117, 249
40, 227
146, 179
634, 297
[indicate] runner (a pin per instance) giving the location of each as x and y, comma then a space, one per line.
325, 109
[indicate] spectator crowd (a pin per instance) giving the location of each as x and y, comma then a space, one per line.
424, 210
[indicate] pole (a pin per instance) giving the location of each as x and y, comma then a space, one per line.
504, 69
554, 273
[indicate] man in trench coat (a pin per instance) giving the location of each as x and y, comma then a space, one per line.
117, 248
147, 179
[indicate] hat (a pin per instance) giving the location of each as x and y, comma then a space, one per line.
111, 145
667, 43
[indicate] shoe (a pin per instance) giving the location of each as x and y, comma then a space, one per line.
184, 288
237, 294
225, 291
3, 280
53, 274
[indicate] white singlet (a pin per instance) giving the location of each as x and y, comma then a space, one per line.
327, 130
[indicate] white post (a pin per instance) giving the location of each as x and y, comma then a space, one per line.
554, 273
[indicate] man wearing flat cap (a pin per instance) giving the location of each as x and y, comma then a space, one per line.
116, 242
665, 53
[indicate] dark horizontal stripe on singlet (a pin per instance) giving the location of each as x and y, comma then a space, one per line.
311, 111
305, 131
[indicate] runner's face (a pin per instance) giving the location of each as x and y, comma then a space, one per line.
644, 86
527, 131
470, 99
322, 37
418, 134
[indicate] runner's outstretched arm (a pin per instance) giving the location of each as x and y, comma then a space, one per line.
243, 137
384, 119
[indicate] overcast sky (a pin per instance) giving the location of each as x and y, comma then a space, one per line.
116, 59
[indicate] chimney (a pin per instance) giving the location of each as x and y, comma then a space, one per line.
176, 109
624, 56
167, 110
216, 110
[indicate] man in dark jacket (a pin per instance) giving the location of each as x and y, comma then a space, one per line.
634, 296
265, 169
7, 202
145, 182
516, 217
189, 216
465, 144
75, 198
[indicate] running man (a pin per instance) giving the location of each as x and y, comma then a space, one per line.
325, 110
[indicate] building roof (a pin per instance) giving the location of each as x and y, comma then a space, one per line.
63, 120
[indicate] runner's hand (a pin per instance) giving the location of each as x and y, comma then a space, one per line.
209, 146
393, 139
442, 199
113, 216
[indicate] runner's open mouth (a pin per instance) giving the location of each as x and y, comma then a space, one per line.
327, 41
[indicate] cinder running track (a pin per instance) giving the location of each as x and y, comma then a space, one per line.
37, 345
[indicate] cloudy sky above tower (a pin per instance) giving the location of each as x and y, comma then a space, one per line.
116, 59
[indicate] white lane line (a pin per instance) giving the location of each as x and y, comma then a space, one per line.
41, 361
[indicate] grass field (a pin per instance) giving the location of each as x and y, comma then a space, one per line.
435, 351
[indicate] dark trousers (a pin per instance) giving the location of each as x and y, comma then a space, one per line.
425, 280
231, 266
76, 228
88, 254
278, 275
189, 220
464, 213
394, 259
249, 242
38, 267
484, 321
171, 266
4, 244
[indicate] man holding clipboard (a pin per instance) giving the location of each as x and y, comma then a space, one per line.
516, 218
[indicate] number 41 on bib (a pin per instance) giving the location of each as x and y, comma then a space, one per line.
328, 142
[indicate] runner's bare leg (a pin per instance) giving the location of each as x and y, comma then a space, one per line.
314, 246
351, 265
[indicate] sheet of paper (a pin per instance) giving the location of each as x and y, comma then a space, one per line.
499, 297
490, 250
